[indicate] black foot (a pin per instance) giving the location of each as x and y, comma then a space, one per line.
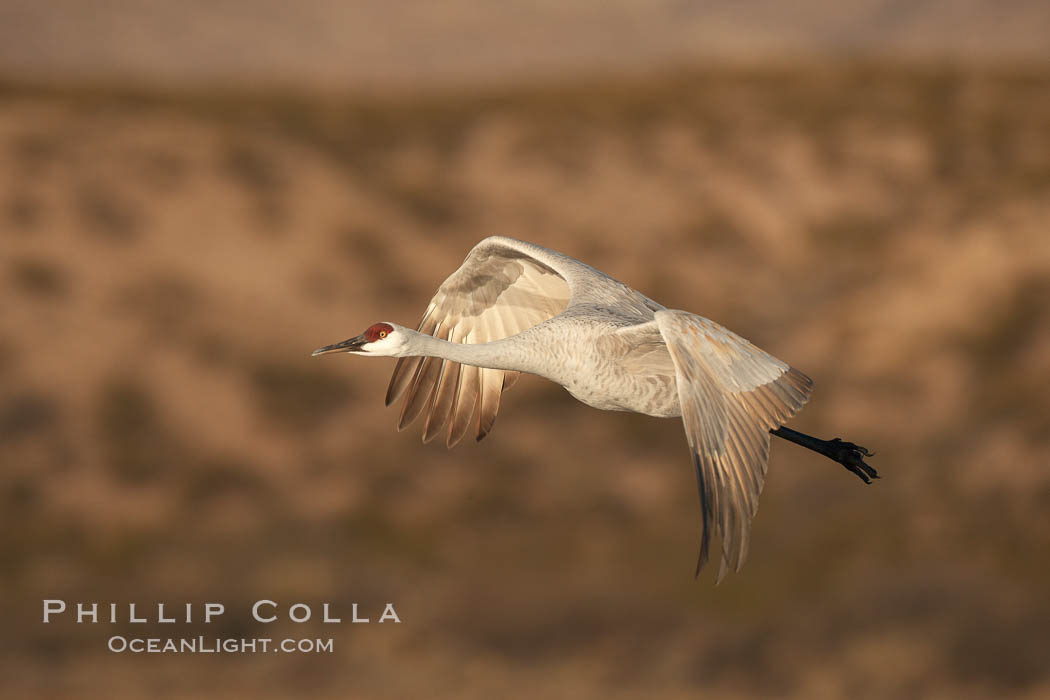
852, 457
847, 454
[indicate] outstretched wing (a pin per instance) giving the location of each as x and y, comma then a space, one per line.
732, 394
502, 288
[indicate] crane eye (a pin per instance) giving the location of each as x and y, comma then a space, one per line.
382, 334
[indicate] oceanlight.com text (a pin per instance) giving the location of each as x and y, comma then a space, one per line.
215, 645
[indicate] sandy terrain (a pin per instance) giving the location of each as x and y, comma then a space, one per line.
168, 263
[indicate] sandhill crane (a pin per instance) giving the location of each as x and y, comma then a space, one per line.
516, 307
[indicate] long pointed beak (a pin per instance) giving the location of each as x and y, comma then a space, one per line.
351, 345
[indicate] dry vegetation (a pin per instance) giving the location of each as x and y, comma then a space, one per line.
168, 262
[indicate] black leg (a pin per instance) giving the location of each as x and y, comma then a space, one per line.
845, 453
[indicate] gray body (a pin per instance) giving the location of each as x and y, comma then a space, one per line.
607, 363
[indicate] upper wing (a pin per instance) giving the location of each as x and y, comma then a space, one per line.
502, 288
732, 394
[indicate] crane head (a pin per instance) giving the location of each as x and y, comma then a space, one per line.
379, 339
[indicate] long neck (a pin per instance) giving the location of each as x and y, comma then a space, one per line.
508, 353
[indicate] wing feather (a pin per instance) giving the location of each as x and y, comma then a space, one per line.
502, 288
404, 373
407, 368
419, 394
466, 400
441, 404
488, 400
510, 378
731, 394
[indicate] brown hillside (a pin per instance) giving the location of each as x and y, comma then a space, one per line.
168, 263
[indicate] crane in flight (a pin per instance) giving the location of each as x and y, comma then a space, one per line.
516, 307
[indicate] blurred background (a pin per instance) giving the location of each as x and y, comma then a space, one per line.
195, 195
